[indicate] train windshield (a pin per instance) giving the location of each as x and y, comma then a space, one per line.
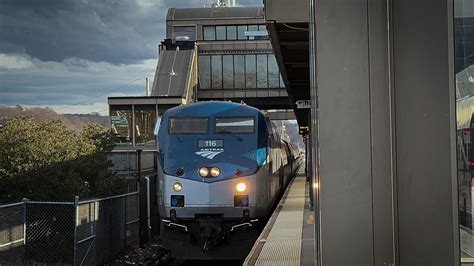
235, 125
188, 125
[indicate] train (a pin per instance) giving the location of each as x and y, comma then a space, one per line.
222, 167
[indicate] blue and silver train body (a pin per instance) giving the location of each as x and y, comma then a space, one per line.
222, 167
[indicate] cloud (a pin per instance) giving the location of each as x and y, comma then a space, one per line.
61, 52
114, 31
70, 81
118, 32
14, 62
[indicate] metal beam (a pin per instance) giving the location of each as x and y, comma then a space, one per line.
282, 115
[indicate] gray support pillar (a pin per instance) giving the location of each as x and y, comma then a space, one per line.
425, 132
385, 130
381, 137
345, 132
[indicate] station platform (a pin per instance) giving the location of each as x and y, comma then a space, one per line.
288, 237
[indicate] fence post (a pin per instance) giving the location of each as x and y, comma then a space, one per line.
125, 224
76, 204
148, 203
25, 201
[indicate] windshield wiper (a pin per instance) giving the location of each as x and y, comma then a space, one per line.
231, 134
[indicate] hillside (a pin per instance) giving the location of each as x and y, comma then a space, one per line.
74, 122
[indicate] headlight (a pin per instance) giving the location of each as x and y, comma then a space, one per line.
215, 171
241, 187
177, 187
203, 171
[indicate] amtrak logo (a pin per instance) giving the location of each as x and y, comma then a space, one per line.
209, 153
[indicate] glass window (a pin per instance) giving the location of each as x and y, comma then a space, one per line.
282, 83
231, 32
253, 28
234, 125
209, 33
216, 64
220, 33
204, 72
228, 71
239, 71
250, 71
145, 119
273, 73
121, 117
241, 29
188, 125
263, 29
189, 31
262, 71
254, 33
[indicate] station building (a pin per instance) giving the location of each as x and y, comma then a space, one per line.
210, 53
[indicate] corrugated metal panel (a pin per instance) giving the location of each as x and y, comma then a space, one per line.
283, 244
172, 73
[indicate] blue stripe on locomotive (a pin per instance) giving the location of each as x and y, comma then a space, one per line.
179, 150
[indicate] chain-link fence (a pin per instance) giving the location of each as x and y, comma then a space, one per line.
105, 227
77, 233
49, 232
12, 233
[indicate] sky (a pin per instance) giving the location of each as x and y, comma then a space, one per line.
71, 55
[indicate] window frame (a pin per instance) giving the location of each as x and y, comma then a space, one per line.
204, 31
245, 75
219, 117
188, 117
185, 26
236, 26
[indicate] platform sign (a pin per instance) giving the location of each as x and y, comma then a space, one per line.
303, 104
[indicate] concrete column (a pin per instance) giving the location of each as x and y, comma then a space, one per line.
385, 136
425, 144
345, 132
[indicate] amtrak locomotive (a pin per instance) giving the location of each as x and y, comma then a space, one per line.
222, 167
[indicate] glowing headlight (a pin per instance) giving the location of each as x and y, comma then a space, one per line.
203, 171
215, 171
177, 187
241, 187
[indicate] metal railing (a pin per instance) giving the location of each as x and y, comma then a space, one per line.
78, 233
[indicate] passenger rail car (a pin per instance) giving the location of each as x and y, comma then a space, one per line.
222, 167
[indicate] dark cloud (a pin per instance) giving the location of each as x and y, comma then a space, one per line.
115, 31
119, 32
60, 52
